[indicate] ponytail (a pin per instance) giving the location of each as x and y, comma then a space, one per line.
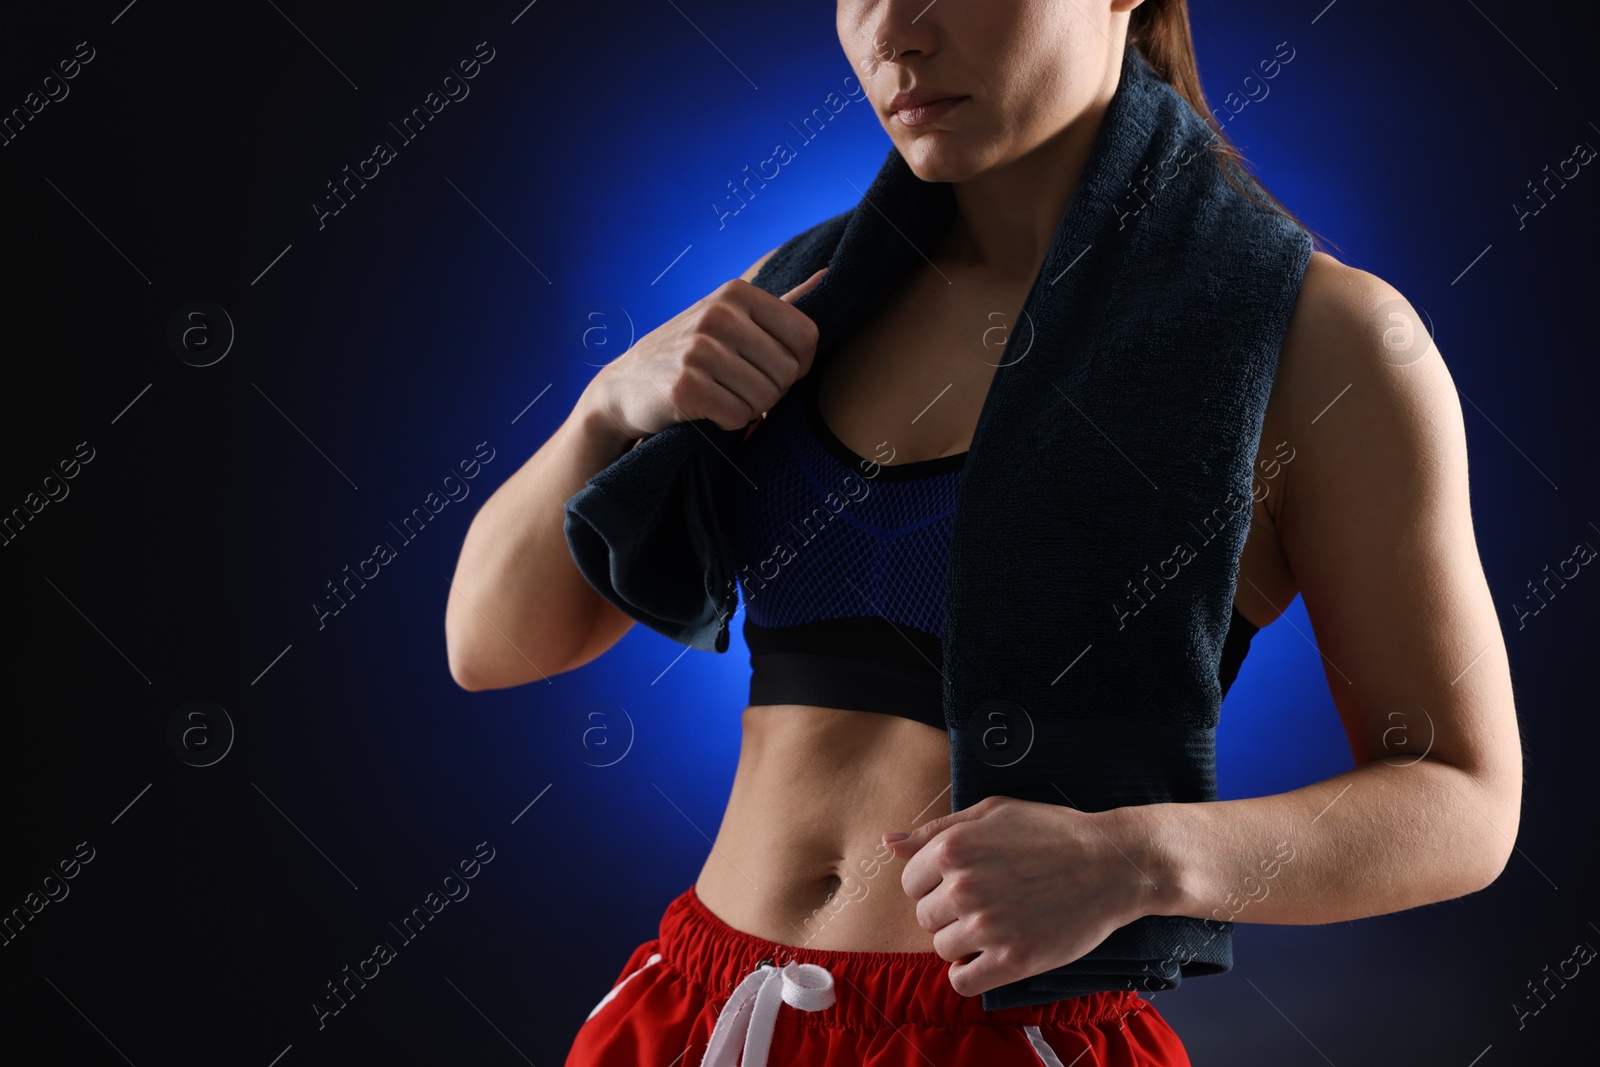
1160, 30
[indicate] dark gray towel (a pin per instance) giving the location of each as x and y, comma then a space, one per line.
1104, 503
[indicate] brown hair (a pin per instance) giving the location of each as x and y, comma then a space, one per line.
1160, 30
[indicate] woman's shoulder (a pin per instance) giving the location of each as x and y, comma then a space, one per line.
1351, 327
1360, 381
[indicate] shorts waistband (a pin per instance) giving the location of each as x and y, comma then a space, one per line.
873, 988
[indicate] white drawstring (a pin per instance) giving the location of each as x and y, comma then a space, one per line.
655, 957
1041, 1048
806, 986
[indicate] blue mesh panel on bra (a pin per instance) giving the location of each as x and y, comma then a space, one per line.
841, 567
820, 537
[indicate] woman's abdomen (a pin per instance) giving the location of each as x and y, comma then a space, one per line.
799, 858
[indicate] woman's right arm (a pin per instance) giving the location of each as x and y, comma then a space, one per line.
519, 609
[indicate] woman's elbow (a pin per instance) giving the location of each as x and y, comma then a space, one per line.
466, 637
482, 657
460, 651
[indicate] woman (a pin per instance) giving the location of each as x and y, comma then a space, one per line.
839, 852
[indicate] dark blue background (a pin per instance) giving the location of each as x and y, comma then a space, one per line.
500, 258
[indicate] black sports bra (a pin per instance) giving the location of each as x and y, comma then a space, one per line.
841, 563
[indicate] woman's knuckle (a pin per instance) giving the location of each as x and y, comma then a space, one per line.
810, 332
702, 354
715, 315
955, 844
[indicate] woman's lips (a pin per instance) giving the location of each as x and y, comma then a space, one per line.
926, 113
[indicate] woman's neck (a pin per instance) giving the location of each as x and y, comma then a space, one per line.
1006, 216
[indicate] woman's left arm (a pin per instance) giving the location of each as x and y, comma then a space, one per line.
1374, 521
1375, 524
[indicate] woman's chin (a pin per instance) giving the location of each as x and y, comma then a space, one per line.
933, 161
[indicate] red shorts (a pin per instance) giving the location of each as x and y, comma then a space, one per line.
702, 979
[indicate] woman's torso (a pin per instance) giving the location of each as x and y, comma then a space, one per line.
798, 857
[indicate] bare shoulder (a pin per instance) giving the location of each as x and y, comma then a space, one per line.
1360, 380
1351, 328
1363, 422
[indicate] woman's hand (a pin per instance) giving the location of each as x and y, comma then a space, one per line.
1012, 888
727, 357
